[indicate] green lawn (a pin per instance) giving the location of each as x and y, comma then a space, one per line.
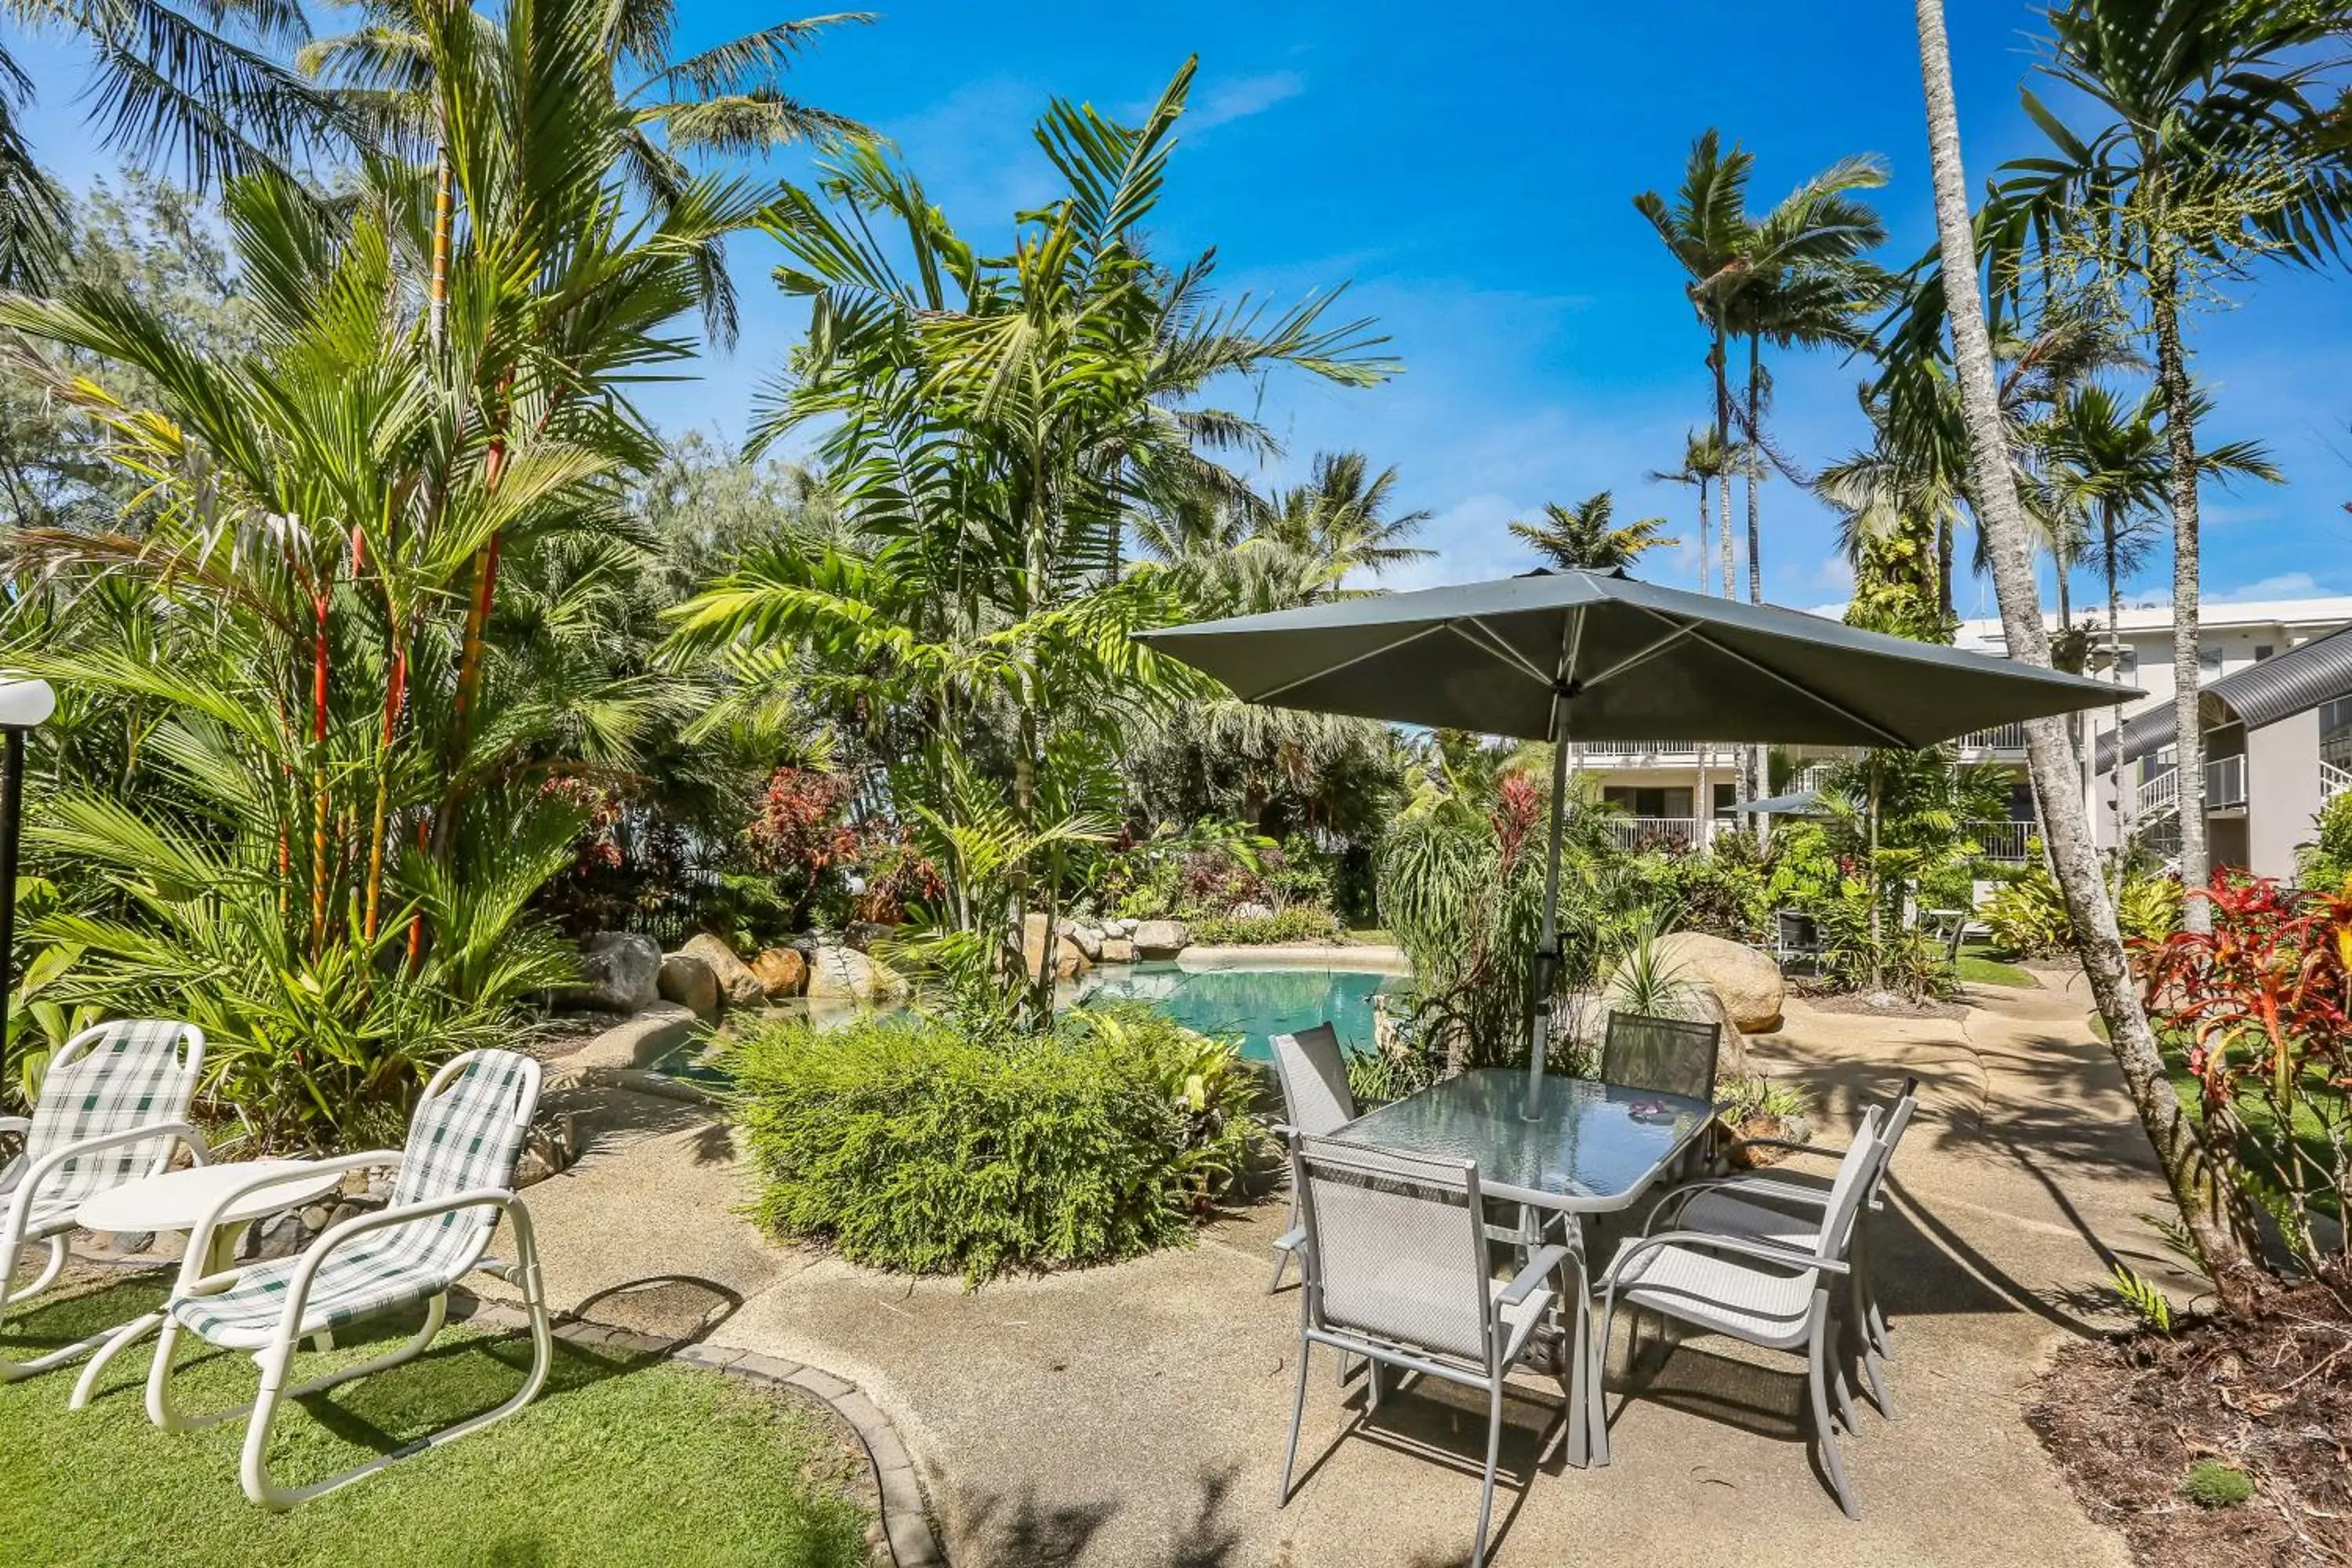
1979, 967
619, 1461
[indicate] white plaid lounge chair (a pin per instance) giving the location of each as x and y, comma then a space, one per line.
113, 1109
456, 1179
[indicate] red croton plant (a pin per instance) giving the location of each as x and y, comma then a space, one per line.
2265, 1003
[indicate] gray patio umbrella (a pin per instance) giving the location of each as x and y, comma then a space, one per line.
1552, 656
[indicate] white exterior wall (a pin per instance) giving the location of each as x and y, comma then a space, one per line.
2282, 792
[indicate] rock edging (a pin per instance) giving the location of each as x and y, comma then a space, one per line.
905, 1522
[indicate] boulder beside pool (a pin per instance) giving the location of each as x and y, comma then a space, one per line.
1745, 981
1161, 938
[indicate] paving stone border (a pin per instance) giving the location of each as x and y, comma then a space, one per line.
905, 1527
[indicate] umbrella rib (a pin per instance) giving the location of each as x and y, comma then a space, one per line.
1495, 643
1839, 709
1644, 657
1348, 663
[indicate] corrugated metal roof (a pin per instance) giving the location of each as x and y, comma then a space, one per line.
2263, 693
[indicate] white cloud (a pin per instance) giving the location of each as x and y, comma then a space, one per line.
2285, 585
1227, 101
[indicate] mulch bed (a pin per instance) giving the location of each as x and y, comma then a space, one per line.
2128, 1417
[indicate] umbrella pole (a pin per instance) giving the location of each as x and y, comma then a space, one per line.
1547, 949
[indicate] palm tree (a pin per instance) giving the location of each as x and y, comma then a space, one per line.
2065, 828
198, 86
1705, 229
730, 98
1341, 518
2218, 148
1796, 276
2112, 464
1585, 538
1703, 465
1802, 281
995, 427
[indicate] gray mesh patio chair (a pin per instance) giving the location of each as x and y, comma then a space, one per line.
1316, 1101
1670, 1055
1396, 1271
113, 1108
1762, 1202
1774, 1294
1796, 941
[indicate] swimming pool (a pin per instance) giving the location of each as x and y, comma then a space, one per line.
1252, 1003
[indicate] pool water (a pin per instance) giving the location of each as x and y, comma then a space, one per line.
1254, 1003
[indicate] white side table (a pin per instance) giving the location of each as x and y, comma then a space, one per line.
179, 1200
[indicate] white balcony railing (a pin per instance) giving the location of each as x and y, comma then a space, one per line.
2000, 738
2225, 782
1652, 832
2333, 780
2161, 794
2004, 841
1641, 753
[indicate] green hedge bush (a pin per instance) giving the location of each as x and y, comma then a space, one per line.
1300, 922
909, 1144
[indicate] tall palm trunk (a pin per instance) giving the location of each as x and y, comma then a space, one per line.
1759, 786
1701, 532
2108, 544
1944, 567
1716, 360
2065, 828
2180, 435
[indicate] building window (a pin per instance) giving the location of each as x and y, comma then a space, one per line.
2262, 651
1635, 801
1725, 797
2129, 660
2208, 661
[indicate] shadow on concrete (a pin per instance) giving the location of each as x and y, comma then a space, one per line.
683, 1307
1016, 1528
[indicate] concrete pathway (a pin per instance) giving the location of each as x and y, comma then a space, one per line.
1134, 1415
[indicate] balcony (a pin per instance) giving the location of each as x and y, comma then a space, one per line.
2334, 780
1654, 754
2007, 842
1638, 833
2225, 782
2000, 738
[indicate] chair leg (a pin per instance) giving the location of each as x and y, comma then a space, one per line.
1817, 1360
1873, 1368
14, 1370
56, 1266
1487, 1491
1298, 1413
1281, 1262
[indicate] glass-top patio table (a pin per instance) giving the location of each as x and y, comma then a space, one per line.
1591, 1148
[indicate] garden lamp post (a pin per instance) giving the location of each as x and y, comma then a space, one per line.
23, 704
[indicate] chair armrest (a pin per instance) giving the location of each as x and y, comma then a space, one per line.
200, 1240
16, 1125
1532, 1275
298, 1292
1763, 1251
21, 1199
1824, 1150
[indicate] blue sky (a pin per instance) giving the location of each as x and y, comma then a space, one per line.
1469, 173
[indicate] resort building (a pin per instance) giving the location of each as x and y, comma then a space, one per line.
2279, 740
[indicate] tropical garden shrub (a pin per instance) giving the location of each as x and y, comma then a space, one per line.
2262, 1007
1298, 924
2027, 915
2326, 862
913, 1143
